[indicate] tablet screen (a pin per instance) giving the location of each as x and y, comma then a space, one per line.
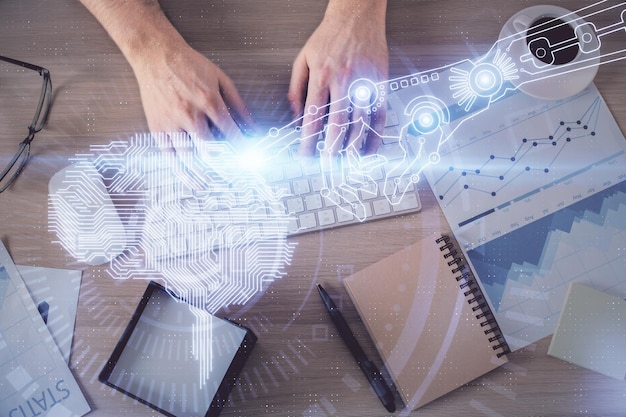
154, 361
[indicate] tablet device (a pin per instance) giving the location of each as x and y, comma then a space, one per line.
154, 362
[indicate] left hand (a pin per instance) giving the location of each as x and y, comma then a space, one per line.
348, 45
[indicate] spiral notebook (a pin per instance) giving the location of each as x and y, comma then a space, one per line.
428, 319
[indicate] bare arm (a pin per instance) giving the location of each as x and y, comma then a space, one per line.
349, 44
181, 90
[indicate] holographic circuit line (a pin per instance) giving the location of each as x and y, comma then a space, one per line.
428, 102
192, 221
210, 231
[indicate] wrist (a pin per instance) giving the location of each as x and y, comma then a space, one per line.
152, 44
139, 28
357, 11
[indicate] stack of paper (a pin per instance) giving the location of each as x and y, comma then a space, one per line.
35, 380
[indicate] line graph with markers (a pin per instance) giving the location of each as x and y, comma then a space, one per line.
535, 192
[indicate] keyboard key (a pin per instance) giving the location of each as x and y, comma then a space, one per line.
391, 152
250, 229
381, 207
356, 212
301, 186
326, 217
275, 174
392, 135
376, 174
344, 214
282, 188
363, 211
407, 202
295, 205
292, 225
369, 191
293, 171
391, 119
307, 221
317, 183
349, 195
313, 202
414, 145
310, 166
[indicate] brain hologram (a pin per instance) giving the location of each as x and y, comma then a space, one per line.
197, 220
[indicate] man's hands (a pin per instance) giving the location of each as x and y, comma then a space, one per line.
348, 45
182, 91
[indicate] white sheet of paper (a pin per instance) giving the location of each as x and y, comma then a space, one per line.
34, 378
58, 289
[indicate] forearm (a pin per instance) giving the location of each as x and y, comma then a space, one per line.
372, 11
139, 28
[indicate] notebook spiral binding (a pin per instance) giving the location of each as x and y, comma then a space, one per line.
473, 293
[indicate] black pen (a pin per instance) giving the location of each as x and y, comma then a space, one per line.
367, 366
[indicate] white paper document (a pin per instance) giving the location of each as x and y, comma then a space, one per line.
35, 380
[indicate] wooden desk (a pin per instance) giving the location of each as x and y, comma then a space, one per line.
299, 366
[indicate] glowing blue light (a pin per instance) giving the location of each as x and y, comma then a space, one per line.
362, 93
426, 120
485, 79
252, 160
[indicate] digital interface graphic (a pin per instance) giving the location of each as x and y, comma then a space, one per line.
203, 225
433, 110
186, 219
207, 224
432, 105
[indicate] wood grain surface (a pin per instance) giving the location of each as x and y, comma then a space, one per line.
300, 367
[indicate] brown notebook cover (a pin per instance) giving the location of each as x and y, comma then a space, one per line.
428, 319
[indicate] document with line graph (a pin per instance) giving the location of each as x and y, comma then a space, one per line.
535, 193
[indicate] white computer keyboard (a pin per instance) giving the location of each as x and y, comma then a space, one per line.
226, 213
311, 211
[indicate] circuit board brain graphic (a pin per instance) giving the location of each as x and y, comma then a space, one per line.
196, 219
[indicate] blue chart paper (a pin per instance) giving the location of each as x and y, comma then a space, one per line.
34, 378
535, 192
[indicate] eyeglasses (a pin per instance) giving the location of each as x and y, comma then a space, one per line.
15, 166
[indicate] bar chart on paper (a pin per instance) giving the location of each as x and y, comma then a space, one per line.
535, 192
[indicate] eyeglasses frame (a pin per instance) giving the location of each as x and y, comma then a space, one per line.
45, 98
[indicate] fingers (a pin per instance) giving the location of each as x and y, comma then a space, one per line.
343, 125
163, 141
337, 129
219, 114
198, 126
325, 107
374, 137
298, 85
309, 96
313, 119
235, 116
357, 134
325, 111
214, 121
